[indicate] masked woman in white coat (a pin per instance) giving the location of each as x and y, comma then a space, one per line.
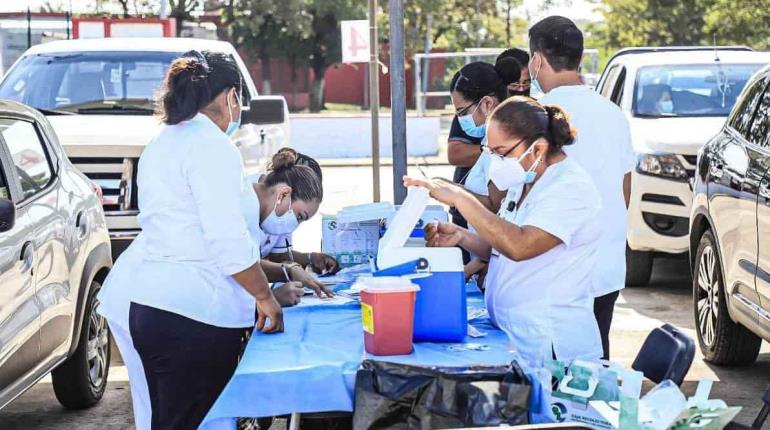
180, 298
542, 243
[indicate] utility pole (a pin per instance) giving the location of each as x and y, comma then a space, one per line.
374, 98
29, 28
398, 97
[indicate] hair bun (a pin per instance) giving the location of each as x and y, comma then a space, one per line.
197, 65
562, 133
285, 158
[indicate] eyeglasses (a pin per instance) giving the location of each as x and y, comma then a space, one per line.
489, 150
464, 110
521, 85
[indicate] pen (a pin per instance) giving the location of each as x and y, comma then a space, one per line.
288, 249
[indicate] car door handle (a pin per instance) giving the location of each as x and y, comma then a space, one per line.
81, 223
27, 257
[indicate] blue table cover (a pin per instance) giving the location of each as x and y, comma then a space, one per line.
311, 367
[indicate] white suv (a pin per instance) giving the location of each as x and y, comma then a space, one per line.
676, 99
98, 95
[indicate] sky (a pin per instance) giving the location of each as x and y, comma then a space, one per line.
574, 9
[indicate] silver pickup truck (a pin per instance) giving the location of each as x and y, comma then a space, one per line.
98, 95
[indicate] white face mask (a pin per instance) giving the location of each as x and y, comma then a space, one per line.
666, 106
507, 173
279, 225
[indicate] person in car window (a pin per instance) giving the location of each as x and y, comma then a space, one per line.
656, 100
180, 298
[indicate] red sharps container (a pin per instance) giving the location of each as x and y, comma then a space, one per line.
387, 308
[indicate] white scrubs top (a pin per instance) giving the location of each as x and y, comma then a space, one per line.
544, 304
194, 235
478, 177
603, 148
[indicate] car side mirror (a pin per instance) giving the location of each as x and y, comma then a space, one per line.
7, 215
265, 110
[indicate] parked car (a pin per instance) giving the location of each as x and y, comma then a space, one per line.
99, 96
675, 99
730, 232
54, 254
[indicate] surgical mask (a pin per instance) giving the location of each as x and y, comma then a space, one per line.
280, 224
469, 126
666, 106
507, 173
233, 126
535, 85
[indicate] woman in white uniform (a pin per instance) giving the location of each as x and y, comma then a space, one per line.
542, 243
286, 196
179, 299
477, 89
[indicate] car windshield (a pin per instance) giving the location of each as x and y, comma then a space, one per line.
88, 82
690, 90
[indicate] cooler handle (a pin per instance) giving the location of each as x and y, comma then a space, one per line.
420, 265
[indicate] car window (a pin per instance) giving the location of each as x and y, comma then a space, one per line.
608, 83
90, 82
744, 112
28, 155
760, 126
690, 90
617, 92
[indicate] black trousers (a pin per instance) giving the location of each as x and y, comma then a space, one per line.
187, 364
604, 307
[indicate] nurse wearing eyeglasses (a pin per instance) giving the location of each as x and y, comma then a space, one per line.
542, 243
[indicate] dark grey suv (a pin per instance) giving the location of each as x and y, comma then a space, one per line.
730, 231
54, 252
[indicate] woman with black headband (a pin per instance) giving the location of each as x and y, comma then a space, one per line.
181, 296
542, 244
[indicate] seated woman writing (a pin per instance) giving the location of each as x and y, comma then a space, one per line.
287, 195
542, 243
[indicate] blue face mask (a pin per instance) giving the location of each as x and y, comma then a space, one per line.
233, 126
535, 86
469, 125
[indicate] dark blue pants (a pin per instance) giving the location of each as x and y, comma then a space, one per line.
604, 308
187, 364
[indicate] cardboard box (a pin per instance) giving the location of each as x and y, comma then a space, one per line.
352, 243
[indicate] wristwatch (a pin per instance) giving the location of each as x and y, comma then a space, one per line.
286, 267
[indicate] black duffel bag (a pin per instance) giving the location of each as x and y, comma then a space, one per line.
397, 396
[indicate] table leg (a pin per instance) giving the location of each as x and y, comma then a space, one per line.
294, 421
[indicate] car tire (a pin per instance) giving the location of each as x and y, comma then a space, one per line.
80, 381
721, 340
638, 267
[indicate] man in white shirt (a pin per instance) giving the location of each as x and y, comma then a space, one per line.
603, 149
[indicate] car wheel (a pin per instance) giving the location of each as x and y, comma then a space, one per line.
638, 267
80, 381
721, 340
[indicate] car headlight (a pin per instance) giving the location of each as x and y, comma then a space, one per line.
662, 165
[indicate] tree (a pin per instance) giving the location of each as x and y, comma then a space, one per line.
745, 22
264, 29
654, 22
181, 11
124, 6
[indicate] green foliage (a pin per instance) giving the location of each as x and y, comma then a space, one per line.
744, 22
456, 24
682, 22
